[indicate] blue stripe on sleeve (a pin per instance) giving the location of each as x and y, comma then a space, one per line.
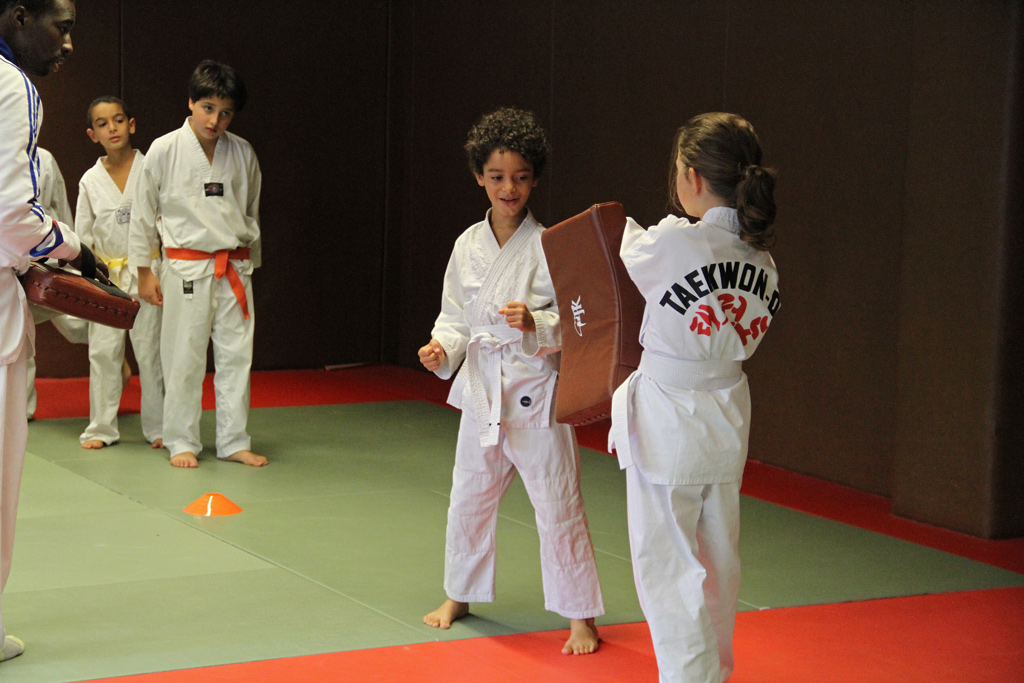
35, 105
58, 239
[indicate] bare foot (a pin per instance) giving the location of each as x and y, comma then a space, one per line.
247, 458
184, 460
157, 443
444, 615
583, 638
126, 372
93, 444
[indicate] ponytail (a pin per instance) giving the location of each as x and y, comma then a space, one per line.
755, 206
725, 151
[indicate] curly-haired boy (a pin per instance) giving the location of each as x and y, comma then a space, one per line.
498, 313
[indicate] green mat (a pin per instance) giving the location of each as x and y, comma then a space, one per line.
340, 546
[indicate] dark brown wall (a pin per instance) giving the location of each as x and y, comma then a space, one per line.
826, 86
890, 366
1007, 507
958, 443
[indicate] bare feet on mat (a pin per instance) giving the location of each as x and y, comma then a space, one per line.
126, 372
583, 638
444, 615
184, 460
93, 444
157, 443
247, 458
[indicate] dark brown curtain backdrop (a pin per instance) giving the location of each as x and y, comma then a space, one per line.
895, 126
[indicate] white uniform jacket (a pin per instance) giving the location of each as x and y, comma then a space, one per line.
508, 378
53, 192
26, 232
710, 299
103, 215
202, 206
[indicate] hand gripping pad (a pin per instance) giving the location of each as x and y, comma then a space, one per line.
600, 310
81, 297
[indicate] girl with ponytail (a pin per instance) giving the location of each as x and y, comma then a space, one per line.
723, 151
681, 422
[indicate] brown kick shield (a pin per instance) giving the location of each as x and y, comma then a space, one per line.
600, 310
75, 295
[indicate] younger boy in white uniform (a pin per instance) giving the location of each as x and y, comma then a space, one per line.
53, 191
103, 215
53, 197
498, 312
203, 183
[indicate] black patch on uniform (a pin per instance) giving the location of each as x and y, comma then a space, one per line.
525, 401
186, 287
214, 189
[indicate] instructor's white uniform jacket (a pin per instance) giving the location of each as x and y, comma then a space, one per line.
27, 232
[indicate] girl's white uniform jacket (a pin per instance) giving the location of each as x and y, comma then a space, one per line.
202, 206
710, 299
509, 376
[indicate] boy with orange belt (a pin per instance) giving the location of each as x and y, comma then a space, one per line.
203, 184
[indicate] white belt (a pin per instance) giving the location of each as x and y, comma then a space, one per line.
696, 375
483, 366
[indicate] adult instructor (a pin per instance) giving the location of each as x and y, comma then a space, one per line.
35, 37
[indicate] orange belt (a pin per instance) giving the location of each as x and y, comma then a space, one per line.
221, 266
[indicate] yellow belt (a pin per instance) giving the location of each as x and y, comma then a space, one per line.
115, 266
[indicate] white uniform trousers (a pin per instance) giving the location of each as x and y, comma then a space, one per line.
76, 331
190, 322
685, 547
106, 355
548, 462
13, 438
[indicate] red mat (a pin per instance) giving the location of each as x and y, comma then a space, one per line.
971, 637
69, 397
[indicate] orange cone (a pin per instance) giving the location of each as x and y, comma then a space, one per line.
212, 505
